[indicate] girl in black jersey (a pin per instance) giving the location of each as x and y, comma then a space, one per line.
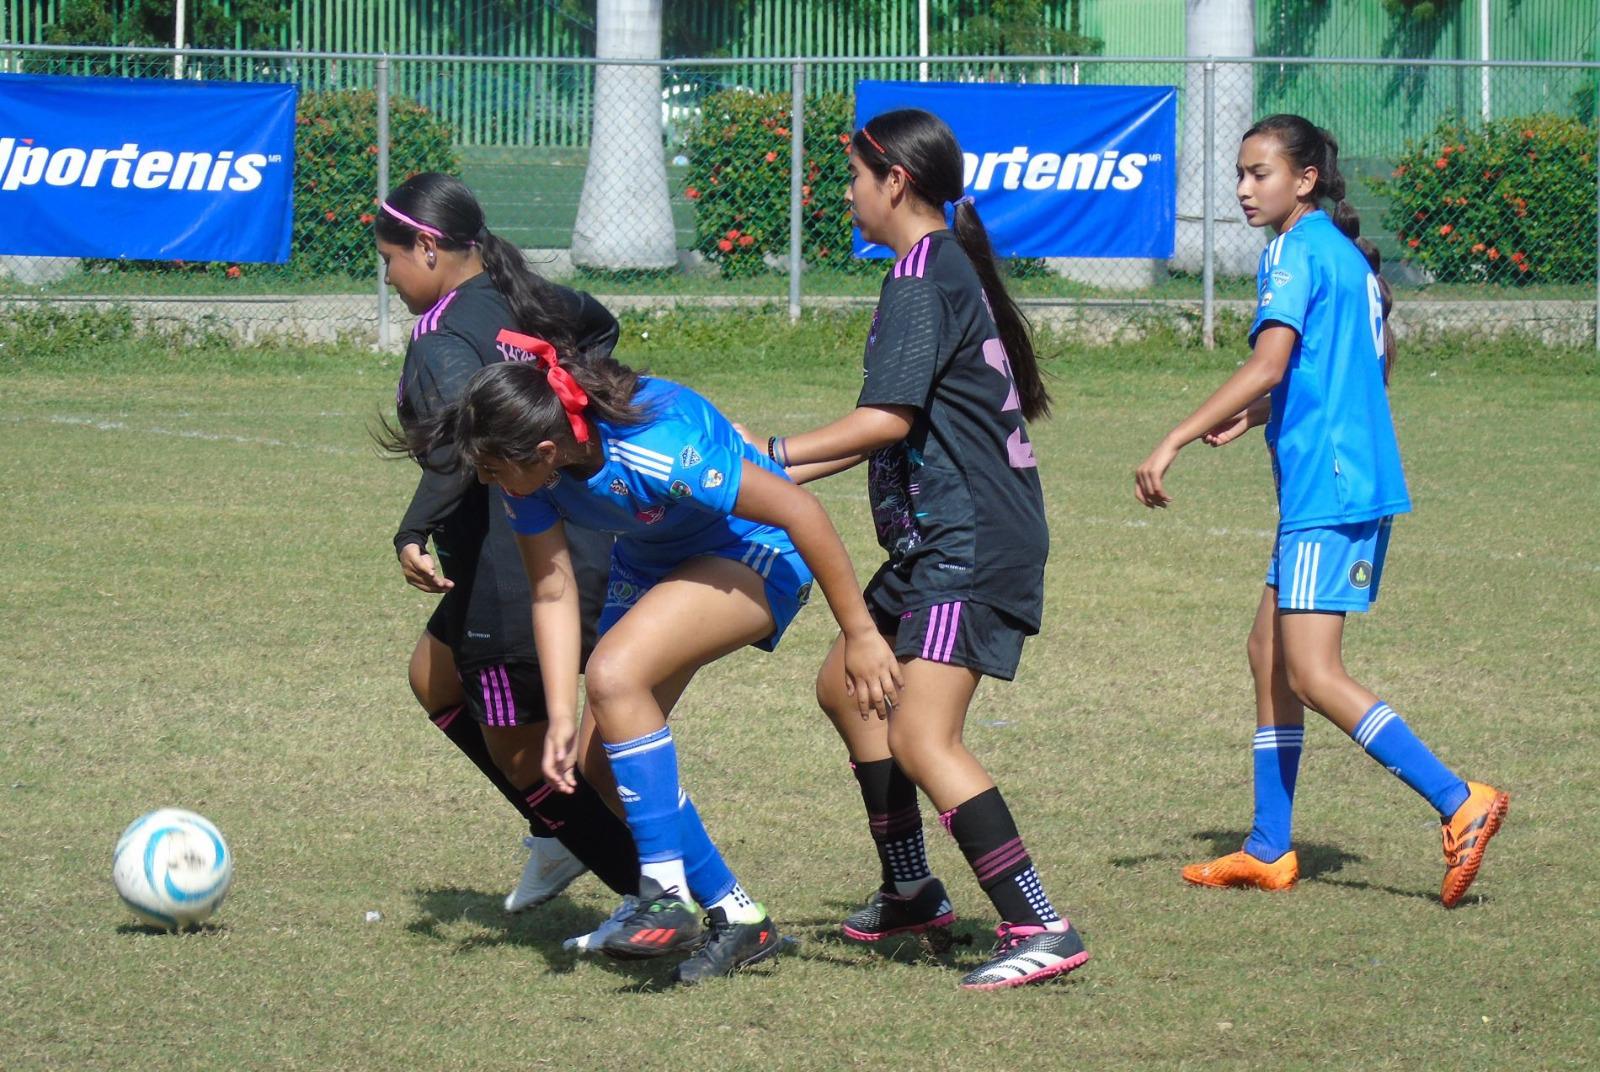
950, 378
473, 669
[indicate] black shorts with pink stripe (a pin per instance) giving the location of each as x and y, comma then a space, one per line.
504, 694
973, 635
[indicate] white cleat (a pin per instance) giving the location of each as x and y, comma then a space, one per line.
551, 869
591, 942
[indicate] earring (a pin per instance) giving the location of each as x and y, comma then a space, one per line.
430, 258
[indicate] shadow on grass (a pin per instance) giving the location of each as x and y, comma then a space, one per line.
1316, 858
198, 930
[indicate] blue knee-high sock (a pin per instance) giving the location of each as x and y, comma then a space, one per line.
1388, 739
1277, 765
646, 770
710, 880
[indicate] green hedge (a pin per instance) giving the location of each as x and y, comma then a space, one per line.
1512, 201
738, 180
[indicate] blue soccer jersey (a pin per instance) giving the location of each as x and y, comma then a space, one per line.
666, 488
1335, 457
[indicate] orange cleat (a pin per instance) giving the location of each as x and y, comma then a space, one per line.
1243, 870
1466, 835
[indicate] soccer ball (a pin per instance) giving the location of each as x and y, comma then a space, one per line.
172, 868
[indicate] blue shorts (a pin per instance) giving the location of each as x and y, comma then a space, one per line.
783, 572
1334, 569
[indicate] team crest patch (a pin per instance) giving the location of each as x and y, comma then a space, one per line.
689, 458
679, 490
712, 479
1266, 299
618, 487
652, 515
804, 594
1280, 278
1361, 574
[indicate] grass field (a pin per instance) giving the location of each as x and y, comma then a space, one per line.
204, 612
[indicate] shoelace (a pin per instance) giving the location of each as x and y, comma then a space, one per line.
1008, 940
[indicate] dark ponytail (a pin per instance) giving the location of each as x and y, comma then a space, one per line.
925, 147
508, 409
444, 204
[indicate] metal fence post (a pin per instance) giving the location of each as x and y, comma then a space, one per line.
797, 162
1597, 236
383, 191
1208, 233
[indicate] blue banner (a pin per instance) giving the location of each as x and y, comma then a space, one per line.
1055, 171
145, 168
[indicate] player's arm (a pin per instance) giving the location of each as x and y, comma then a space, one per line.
848, 440
872, 675
558, 639
436, 497
1256, 413
443, 364
1256, 377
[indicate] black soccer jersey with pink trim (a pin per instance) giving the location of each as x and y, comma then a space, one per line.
489, 617
957, 504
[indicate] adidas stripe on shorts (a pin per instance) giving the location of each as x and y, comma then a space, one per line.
1335, 570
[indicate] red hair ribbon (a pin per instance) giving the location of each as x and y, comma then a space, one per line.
562, 385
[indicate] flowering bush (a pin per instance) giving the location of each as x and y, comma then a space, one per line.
336, 172
738, 180
1510, 202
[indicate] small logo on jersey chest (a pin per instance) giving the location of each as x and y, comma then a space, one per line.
617, 487
652, 515
1361, 574
679, 490
689, 458
1266, 299
1280, 278
712, 479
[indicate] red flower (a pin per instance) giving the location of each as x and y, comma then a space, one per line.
233, 271
1517, 256
771, 156
1522, 266
1419, 214
844, 139
747, 240
329, 216
1442, 163
731, 234
372, 150
1533, 156
366, 217
1478, 247
725, 245
1448, 149
805, 191
1446, 229
692, 194
782, 132
1414, 243
1527, 135
1494, 254
1400, 171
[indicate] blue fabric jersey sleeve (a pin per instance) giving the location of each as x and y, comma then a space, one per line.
1284, 285
529, 514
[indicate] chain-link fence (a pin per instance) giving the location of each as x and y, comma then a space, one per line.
720, 182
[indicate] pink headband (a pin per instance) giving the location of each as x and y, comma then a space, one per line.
403, 218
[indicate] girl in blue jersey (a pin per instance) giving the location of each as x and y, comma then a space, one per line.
1316, 378
472, 668
715, 550
950, 380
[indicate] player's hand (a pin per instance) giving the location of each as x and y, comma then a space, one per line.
872, 673
561, 753
1228, 430
749, 437
417, 567
1147, 478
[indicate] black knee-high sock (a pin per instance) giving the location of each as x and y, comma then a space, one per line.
894, 819
467, 735
988, 837
589, 830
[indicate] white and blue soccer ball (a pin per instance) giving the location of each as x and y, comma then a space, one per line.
172, 868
